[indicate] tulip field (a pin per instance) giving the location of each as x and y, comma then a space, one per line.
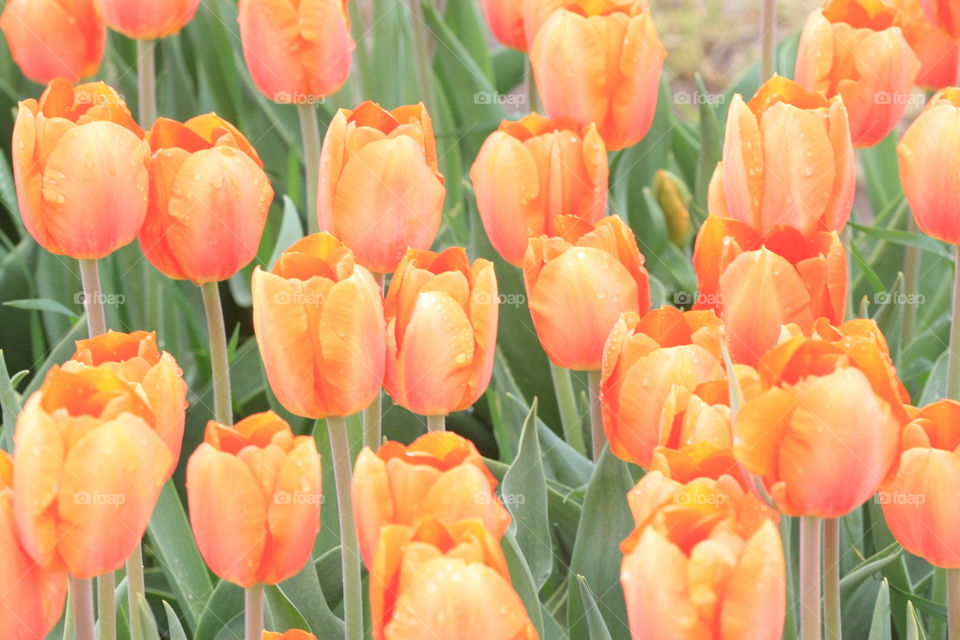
479, 320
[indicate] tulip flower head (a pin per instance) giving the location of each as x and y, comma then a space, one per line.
380, 191
578, 284
147, 19
855, 49
439, 475
787, 160
293, 634
209, 200
441, 316
937, 50
264, 532
54, 38
531, 171
536, 12
79, 162
505, 19
944, 14
297, 51
318, 317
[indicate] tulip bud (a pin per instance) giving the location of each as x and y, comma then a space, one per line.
439, 475
506, 22
536, 12
209, 200
88, 469
787, 160
254, 494
529, 172
600, 62
930, 173
944, 14
80, 167
579, 283
380, 191
441, 316
674, 199
31, 599
54, 38
937, 50
854, 49
297, 51
319, 322
147, 19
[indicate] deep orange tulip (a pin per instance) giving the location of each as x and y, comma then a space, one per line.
929, 171
381, 190
439, 475
855, 49
787, 160
798, 279
54, 38
919, 503
529, 172
80, 168
135, 358
298, 51
254, 494
293, 634
694, 567
943, 13
937, 50
536, 12
31, 599
600, 61
319, 322
441, 316
506, 22
444, 581
578, 284
147, 19
209, 200
88, 469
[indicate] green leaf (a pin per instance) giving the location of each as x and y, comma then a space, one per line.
42, 304
523, 580
290, 230
305, 593
914, 626
223, 606
174, 628
282, 613
880, 627
148, 624
60, 353
867, 568
905, 238
595, 623
711, 146
10, 406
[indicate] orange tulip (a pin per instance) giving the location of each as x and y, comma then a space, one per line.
797, 279
209, 200
506, 22
298, 51
88, 469
937, 50
31, 599
293, 634
919, 503
147, 19
319, 322
80, 168
254, 494
135, 358
439, 475
943, 13
529, 172
444, 581
54, 38
787, 160
441, 316
536, 12
694, 567
855, 49
600, 61
578, 284
930, 173
380, 188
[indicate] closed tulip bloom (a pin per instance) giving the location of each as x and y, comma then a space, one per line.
54, 38
319, 322
293, 634
380, 191
536, 12
505, 19
943, 13
80, 167
855, 49
31, 599
209, 199
600, 62
441, 316
296, 50
578, 283
799, 280
787, 160
696, 567
254, 494
439, 475
147, 19
937, 50
444, 581
529, 172
931, 175
919, 504
88, 469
